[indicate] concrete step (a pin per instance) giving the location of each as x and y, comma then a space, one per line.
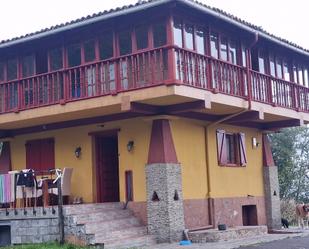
112, 225
132, 242
101, 216
88, 208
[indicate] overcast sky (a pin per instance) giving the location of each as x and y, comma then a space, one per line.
286, 18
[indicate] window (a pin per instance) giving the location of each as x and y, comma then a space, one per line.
231, 149
2, 68
55, 57
106, 46
279, 68
286, 71
233, 52
27, 63
89, 51
223, 49
12, 69
40, 154
189, 36
272, 65
177, 30
159, 35
125, 43
261, 64
200, 41
243, 56
141, 34
214, 45
41, 62
74, 55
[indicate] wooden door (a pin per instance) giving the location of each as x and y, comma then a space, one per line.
107, 168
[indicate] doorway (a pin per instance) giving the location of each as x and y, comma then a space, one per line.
249, 215
107, 168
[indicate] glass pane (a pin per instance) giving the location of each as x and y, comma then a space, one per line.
243, 56
41, 62
106, 46
200, 43
177, 30
261, 64
306, 80
272, 65
159, 35
2, 71
12, 69
300, 76
125, 43
233, 51
141, 33
286, 71
295, 74
27, 66
55, 56
214, 45
223, 49
279, 69
89, 50
74, 55
189, 36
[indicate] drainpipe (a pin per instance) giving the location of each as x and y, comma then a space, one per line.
248, 64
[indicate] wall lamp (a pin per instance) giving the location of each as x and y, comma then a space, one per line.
78, 152
130, 145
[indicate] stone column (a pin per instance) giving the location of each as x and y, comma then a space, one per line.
271, 187
165, 213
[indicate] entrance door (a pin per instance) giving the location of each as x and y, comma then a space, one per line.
107, 168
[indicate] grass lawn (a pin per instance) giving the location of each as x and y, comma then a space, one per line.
45, 246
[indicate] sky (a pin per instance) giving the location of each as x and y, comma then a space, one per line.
284, 18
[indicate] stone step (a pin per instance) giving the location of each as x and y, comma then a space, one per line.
132, 242
102, 216
112, 225
88, 208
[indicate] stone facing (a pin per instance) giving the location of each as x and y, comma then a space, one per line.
165, 216
272, 199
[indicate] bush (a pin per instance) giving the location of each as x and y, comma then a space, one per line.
288, 210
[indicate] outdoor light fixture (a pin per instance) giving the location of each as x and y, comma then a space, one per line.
130, 145
255, 143
78, 152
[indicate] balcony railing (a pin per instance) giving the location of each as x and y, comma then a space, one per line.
145, 69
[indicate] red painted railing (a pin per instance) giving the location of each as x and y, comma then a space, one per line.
146, 69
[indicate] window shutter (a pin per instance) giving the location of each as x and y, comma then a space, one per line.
221, 147
5, 158
242, 149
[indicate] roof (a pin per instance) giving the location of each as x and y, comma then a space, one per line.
142, 5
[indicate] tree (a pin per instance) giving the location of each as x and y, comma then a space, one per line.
291, 154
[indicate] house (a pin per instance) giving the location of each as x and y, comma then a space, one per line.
164, 105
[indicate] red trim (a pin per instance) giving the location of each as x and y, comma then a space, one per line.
268, 159
161, 149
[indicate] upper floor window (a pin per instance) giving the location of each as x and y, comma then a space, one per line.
300, 74
159, 34
261, 64
12, 69
286, 71
214, 45
177, 30
141, 33
2, 74
223, 48
125, 43
233, 52
200, 40
55, 59
106, 46
189, 36
243, 56
28, 63
89, 51
74, 55
272, 65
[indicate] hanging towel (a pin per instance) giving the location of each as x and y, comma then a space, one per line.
1, 188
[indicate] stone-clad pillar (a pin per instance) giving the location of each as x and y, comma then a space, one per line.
165, 213
271, 187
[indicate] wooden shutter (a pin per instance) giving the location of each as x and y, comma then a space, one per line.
5, 158
221, 147
242, 149
33, 154
47, 154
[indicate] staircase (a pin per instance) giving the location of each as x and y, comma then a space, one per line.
105, 224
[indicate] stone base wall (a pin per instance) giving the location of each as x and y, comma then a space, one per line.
196, 213
139, 210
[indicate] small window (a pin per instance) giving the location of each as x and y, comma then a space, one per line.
2, 68
200, 41
286, 71
243, 56
106, 46
279, 68
55, 57
300, 76
89, 51
12, 69
223, 49
28, 66
41, 62
74, 55
295, 74
261, 64
272, 65
233, 52
159, 35
141, 34
189, 31
231, 149
125, 43
177, 30
306, 80
214, 46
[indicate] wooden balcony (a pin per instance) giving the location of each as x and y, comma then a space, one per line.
162, 66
